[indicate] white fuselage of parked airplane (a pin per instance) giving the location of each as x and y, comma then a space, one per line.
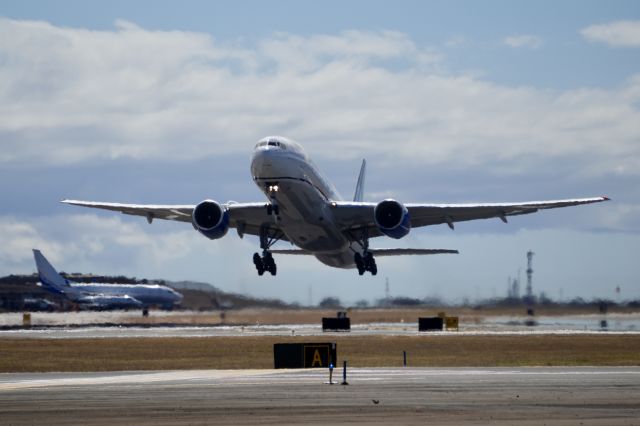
147, 294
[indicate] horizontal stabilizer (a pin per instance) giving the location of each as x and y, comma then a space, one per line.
410, 251
292, 251
379, 252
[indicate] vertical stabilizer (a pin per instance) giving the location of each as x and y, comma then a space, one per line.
49, 277
359, 195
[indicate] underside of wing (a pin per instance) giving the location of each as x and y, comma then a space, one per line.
180, 213
250, 218
246, 218
434, 214
355, 217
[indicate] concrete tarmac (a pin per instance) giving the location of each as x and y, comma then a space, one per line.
461, 396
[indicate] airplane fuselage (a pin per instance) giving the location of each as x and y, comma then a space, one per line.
303, 196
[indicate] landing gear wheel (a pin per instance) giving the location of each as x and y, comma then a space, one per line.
260, 266
365, 263
269, 263
357, 258
370, 263
373, 269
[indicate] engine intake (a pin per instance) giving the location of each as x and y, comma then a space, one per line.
210, 219
392, 218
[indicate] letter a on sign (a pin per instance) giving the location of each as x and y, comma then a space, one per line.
316, 358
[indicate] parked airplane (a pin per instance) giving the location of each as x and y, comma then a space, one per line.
304, 209
104, 296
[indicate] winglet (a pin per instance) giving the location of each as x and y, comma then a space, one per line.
359, 194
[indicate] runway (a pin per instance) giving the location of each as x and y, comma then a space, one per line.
521, 396
194, 324
282, 330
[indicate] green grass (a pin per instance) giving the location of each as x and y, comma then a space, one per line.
116, 354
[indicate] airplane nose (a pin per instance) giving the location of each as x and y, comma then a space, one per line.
262, 161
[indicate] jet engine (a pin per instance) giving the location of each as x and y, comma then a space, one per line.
210, 219
392, 218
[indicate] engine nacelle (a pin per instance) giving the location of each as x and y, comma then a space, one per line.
392, 218
210, 219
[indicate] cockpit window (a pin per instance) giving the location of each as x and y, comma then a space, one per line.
274, 143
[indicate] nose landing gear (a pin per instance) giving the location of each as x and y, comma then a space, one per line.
273, 209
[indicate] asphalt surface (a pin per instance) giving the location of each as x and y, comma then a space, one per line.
461, 396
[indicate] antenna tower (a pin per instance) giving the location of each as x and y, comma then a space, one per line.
386, 289
530, 276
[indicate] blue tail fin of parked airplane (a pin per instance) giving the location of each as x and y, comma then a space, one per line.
49, 277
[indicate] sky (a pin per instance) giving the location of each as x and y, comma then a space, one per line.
449, 101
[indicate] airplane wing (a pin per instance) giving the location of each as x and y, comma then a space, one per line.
180, 213
354, 217
247, 218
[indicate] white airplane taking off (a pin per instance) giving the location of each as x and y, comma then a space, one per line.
304, 209
104, 296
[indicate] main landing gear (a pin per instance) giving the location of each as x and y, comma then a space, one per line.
265, 263
365, 263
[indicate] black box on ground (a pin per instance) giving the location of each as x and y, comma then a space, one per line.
304, 355
430, 323
339, 324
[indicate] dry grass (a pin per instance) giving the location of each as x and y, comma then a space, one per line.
114, 354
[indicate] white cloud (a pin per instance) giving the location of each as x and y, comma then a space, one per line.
524, 40
18, 239
616, 34
90, 241
71, 95
292, 53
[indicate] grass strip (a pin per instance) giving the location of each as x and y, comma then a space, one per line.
249, 352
